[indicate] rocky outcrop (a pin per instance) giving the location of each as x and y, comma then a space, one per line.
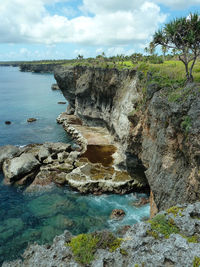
101, 97
38, 67
38, 166
104, 98
18, 167
170, 239
165, 136
159, 134
7, 152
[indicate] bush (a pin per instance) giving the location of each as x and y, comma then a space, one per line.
84, 246
161, 225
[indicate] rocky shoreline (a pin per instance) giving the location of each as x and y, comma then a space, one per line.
38, 67
170, 239
158, 143
38, 165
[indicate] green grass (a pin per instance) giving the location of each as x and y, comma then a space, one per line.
171, 70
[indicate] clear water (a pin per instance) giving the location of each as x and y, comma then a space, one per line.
27, 95
28, 218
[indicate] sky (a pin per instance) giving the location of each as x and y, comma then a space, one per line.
63, 29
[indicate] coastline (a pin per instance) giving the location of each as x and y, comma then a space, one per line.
142, 142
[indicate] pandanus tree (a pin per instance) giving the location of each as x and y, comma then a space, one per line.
183, 35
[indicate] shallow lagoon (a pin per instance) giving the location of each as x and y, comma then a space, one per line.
26, 218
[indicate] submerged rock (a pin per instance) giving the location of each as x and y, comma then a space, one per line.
8, 122
61, 102
141, 202
31, 119
117, 214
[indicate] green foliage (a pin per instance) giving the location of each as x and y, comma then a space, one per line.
123, 252
175, 211
108, 240
196, 262
186, 124
115, 244
193, 239
154, 234
161, 225
183, 35
84, 246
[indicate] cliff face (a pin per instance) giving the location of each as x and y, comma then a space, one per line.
166, 138
99, 96
162, 137
38, 68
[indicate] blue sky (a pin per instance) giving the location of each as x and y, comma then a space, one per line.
60, 29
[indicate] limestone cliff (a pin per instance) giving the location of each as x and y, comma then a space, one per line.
38, 67
160, 137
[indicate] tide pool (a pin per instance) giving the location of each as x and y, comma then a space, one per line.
39, 217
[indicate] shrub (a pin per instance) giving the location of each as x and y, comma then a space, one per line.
196, 262
84, 246
161, 225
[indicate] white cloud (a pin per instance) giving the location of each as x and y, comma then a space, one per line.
22, 22
178, 4
113, 22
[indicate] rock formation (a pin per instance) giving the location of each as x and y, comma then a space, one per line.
38, 67
159, 138
37, 166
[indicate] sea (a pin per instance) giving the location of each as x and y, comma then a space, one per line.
39, 217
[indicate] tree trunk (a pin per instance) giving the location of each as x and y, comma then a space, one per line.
191, 68
187, 72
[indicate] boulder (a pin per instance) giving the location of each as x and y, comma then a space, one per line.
57, 147
143, 201
117, 214
61, 102
43, 153
42, 179
16, 168
55, 86
8, 152
31, 119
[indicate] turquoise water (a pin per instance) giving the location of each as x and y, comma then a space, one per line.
24, 95
28, 218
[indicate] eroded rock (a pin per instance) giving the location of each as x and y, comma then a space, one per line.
16, 168
8, 152
94, 177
